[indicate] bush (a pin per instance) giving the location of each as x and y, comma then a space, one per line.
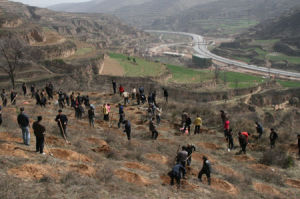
294, 101
277, 157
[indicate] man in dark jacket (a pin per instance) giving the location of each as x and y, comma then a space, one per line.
229, 138
4, 98
273, 138
91, 114
62, 122
39, 132
121, 115
13, 97
190, 149
37, 97
153, 130
127, 129
187, 124
23, 121
243, 140
259, 129
114, 84
166, 95
32, 89
24, 88
206, 169
177, 172
223, 116
51, 87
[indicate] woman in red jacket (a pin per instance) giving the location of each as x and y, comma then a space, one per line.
121, 90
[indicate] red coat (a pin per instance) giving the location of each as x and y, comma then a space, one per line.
246, 135
226, 125
121, 89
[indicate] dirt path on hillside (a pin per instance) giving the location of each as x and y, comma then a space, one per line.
111, 67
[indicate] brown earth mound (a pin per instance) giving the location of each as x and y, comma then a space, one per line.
224, 186
156, 158
33, 171
139, 113
141, 128
260, 167
132, 177
227, 171
9, 138
136, 165
211, 146
245, 158
101, 149
198, 157
165, 179
265, 189
97, 141
54, 141
83, 169
9, 149
207, 131
192, 171
165, 140
188, 186
293, 148
69, 155
293, 183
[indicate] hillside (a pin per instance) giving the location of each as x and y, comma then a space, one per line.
100, 162
211, 17
56, 41
274, 43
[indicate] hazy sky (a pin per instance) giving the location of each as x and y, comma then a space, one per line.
45, 3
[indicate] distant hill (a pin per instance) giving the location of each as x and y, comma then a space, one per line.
212, 17
274, 43
64, 42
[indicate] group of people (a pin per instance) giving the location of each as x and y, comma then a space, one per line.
186, 123
183, 157
39, 129
184, 160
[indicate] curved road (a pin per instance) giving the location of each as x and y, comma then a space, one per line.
200, 48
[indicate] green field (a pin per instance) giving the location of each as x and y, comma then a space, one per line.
83, 51
282, 57
184, 75
141, 68
289, 84
233, 80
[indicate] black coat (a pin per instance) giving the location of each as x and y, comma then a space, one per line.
23, 120
63, 119
38, 129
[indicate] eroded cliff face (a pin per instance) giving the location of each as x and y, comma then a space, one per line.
12, 23
34, 36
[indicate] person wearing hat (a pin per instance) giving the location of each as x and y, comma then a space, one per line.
62, 122
273, 138
206, 169
23, 121
39, 132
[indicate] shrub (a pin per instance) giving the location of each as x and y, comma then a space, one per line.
277, 157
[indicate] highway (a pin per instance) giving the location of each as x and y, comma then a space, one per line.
200, 48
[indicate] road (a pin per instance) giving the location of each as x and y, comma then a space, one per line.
200, 47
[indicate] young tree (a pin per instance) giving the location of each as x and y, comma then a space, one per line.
10, 56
